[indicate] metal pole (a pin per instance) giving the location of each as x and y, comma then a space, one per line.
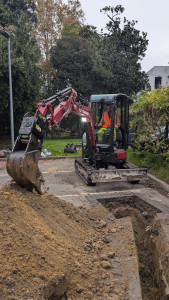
10, 93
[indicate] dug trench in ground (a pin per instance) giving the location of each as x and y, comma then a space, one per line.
151, 230
52, 250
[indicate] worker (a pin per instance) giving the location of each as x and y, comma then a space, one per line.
105, 122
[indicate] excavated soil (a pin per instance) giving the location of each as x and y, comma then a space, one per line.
52, 250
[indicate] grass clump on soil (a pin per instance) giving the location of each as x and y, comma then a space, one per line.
154, 162
56, 147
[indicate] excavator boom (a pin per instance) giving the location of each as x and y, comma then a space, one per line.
22, 164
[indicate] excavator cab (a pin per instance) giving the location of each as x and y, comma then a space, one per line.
111, 149
108, 162
119, 111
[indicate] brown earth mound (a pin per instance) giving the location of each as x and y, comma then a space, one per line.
52, 250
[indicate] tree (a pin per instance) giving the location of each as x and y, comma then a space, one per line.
25, 57
71, 57
47, 27
10, 11
101, 75
124, 47
77, 59
114, 56
54, 20
150, 116
72, 18
101, 63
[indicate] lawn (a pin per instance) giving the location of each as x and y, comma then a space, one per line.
56, 147
155, 164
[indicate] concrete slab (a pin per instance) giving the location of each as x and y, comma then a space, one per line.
125, 262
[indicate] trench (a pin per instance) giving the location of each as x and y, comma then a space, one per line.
56, 289
55, 297
142, 216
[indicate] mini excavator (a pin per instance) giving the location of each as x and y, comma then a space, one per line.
101, 161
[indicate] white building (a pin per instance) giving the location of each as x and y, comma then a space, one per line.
158, 75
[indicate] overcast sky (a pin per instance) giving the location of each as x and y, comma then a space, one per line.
152, 17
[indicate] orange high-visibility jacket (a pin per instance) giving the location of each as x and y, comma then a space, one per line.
106, 121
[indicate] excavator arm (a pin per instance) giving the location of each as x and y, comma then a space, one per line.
22, 164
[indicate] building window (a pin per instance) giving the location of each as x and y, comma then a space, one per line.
157, 82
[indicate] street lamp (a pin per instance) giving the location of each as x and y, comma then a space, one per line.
7, 36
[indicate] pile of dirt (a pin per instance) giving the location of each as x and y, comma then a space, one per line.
52, 250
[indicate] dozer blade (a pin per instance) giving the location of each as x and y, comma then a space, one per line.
92, 176
23, 168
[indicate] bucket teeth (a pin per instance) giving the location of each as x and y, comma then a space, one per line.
23, 168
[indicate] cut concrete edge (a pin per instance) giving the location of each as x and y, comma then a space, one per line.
59, 157
161, 183
50, 157
46, 158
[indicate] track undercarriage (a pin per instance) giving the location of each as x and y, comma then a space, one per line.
91, 176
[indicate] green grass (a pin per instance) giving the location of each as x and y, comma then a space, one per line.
154, 162
5, 142
56, 147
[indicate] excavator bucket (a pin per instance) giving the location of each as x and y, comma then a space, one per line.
22, 164
23, 168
